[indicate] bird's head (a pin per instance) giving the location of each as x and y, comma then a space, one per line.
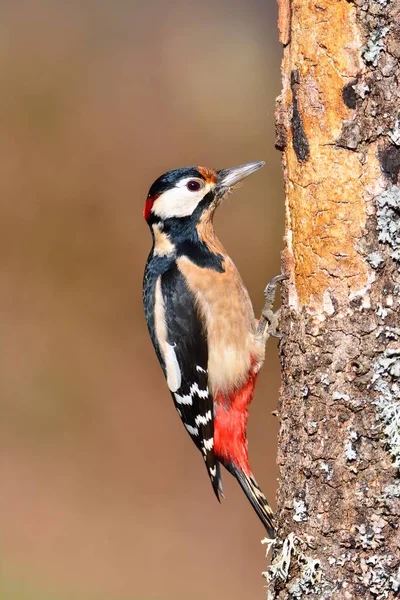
187, 194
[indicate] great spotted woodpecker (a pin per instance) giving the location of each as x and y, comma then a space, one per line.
201, 321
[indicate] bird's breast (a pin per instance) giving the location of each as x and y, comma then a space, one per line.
226, 310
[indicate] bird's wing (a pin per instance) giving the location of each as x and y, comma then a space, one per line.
186, 358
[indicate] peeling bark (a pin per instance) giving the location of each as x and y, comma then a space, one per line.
338, 124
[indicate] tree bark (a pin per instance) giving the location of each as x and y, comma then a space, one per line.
338, 125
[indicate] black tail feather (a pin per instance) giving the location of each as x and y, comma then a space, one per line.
256, 499
214, 473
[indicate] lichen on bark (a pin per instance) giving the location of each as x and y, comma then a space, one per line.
338, 125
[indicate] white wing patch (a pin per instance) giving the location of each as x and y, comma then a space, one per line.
174, 376
184, 399
201, 393
191, 430
203, 420
208, 444
188, 398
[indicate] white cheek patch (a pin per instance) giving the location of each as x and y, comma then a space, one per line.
179, 201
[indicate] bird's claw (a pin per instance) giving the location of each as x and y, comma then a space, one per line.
270, 288
269, 321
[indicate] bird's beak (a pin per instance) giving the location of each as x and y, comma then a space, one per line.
226, 178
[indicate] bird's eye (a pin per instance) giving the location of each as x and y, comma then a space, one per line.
193, 185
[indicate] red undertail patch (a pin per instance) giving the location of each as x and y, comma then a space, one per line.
230, 444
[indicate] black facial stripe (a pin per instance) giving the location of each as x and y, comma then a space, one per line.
183, 225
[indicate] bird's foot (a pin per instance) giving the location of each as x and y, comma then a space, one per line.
268, 324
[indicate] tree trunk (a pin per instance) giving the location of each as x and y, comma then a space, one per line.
338, 124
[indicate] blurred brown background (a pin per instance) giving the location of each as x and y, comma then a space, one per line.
103, 495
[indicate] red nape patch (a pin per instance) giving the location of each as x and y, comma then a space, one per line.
230, 444
148, 206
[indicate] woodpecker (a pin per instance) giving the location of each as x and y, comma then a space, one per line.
201, 321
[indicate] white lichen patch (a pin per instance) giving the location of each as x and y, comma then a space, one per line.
279, 567
395, 133
328, 469
395, 581
375, 259
349, 451
392, 490
375, 45
349, 447
309, 580
370, 535
379, 576
390, 333
325, 379
300, 510
385, 382
381, 312
388, 219
340, 560
361, 89
353, 435
311, 427
340, 396
310, 577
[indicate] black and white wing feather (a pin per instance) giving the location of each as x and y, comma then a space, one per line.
185, 367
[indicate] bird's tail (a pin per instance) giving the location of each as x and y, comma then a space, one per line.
257, 499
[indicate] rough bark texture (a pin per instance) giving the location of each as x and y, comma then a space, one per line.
338, 125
